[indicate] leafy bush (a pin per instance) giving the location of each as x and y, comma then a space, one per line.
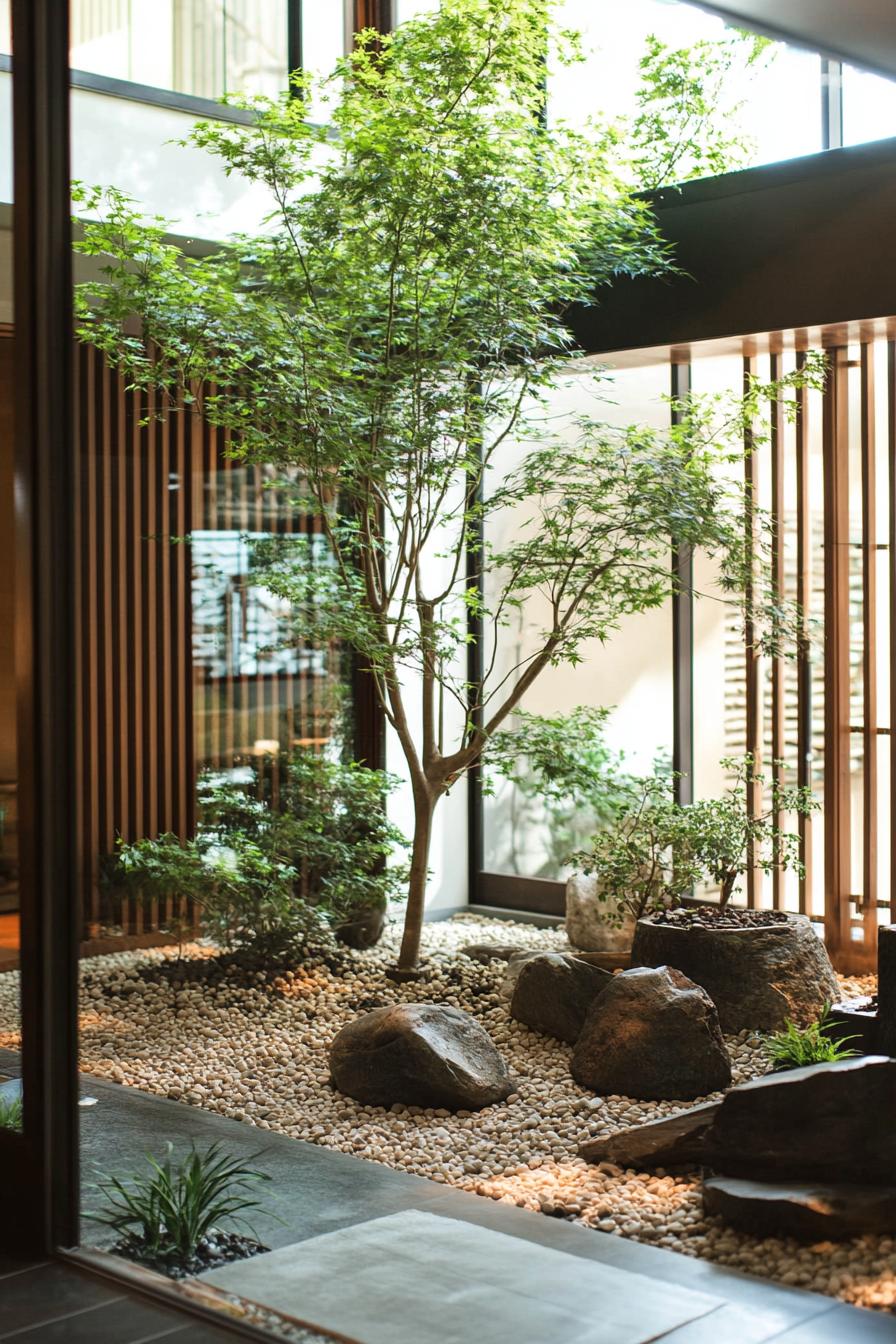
796, 1046
166, 1212
643, 859
656, 850
332, 828
264, 877
11, 1113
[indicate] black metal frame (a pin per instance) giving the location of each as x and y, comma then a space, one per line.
47, 1175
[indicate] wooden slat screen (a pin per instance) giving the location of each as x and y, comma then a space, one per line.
167, 690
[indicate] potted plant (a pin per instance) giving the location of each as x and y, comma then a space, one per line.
761, 967
638, 865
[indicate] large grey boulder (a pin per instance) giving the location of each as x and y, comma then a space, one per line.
653, 1035
815, 1212
587, 926
421, 1054
756, 977
674, 1141
823, 1122
553, 993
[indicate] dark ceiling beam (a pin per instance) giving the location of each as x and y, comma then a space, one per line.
804, 243
862, 32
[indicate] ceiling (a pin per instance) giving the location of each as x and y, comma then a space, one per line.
862, 32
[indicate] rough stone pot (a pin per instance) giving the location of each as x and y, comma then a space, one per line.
587, 926
756, 977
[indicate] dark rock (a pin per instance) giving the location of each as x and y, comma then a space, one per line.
886, 989
676, 1141
486, 952
421, 1054
756, 977
855, 1026
809, 1124
514, 967
654, 1035
553, 993
810, 1212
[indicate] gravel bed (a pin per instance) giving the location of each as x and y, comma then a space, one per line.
254, 1047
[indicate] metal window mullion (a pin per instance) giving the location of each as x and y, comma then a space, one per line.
682, 633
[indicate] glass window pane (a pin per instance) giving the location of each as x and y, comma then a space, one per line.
630, 674
869, 106
773, 105
201, 47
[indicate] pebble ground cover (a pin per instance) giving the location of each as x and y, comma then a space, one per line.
253, 1046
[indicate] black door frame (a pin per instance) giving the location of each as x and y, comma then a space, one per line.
41, 1169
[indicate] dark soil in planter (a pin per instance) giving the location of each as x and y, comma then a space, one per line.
213, 1251
719, 917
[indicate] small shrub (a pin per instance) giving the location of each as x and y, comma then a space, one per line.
643, 859
11, 1113
794, 1046
165, 1214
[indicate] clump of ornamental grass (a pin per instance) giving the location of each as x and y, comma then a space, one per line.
172, 1215
794, 1047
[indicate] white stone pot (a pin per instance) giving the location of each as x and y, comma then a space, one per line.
587, 926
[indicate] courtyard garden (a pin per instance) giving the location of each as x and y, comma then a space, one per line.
254, 1044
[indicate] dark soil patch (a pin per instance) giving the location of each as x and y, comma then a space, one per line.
719, 917
219, 1248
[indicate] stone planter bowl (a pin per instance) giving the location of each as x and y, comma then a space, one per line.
756, 977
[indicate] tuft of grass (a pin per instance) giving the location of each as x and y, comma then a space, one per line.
794, 1047
168, 1210
11, 1113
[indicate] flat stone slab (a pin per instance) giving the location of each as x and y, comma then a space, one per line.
676, 1141
809, 1212
809, 1124
417, 1278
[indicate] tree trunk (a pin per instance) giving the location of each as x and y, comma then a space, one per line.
424, 805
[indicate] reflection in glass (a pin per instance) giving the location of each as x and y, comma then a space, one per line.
201, 47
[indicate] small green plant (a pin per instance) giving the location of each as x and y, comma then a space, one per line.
164, 1214
725, 838
11, 1113
794, 1046
643, 860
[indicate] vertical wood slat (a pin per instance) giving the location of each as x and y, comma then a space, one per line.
891, 561
777, 576
752, 656
804, 601
837, 820
869, 647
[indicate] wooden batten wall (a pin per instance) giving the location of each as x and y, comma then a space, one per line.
177, 668
134, 671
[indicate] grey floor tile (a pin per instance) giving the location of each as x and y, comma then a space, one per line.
843, 1325
47, 1293
126, 1321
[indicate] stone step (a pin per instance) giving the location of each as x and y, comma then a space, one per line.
809, 1212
